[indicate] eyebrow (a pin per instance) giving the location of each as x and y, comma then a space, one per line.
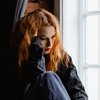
45, 36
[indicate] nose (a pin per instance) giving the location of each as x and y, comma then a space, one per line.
49, 42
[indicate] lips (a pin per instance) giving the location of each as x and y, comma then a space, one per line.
47, 49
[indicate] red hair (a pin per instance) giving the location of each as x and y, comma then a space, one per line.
25, 29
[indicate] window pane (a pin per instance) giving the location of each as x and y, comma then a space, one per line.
93, 40
93, 5
93, 83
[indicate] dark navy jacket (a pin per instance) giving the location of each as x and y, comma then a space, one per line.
68, 76
72, 83
16, 86
29, 73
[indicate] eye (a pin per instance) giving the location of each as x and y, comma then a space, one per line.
43, 38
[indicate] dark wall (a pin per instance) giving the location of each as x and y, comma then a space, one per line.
46, 4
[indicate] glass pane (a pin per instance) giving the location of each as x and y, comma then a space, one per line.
93, 83
93, 5
93, 40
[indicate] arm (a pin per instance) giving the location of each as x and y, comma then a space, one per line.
36, 54
35, 64
72, 82
30, 69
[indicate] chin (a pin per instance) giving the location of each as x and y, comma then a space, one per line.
46, 52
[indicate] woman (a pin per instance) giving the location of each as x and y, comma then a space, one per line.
45, 70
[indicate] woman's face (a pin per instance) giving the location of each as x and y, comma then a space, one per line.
47, 38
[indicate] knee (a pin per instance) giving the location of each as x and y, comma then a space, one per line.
50, 76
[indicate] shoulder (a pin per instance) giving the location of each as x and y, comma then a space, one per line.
66, 60
66, 66
67, 69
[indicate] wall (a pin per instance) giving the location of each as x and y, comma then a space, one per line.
46, 4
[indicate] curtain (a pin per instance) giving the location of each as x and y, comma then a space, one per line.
10, 12
19, 12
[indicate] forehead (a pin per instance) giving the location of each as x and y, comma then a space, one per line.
47, 31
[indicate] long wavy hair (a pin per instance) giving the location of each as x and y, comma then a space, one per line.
25, 29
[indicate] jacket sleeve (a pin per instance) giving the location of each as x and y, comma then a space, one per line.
72, 83
36, 53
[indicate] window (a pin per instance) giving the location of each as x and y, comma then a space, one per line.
81, 39
90, 43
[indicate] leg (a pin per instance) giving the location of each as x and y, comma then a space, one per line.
52, 87
47, 87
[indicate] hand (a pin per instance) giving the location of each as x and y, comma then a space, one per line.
35, 50
36, 53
